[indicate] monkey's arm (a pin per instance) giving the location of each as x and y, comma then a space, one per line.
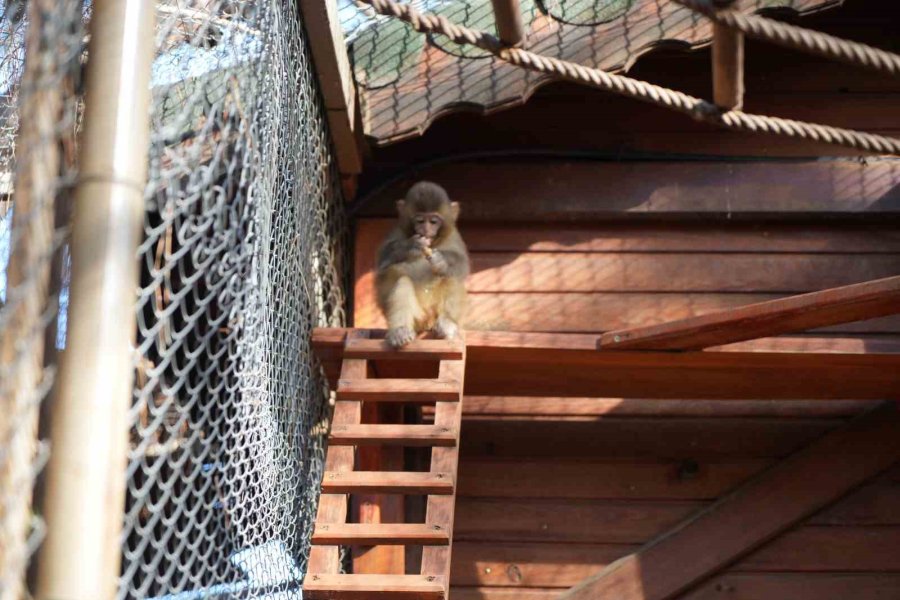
451, 259
398, 250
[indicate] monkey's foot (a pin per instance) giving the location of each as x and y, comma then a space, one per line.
399, 336
445, 328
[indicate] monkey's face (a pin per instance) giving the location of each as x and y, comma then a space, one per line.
428, 225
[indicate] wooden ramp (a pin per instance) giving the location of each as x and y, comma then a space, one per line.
356, 388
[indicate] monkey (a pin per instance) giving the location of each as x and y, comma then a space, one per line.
422, 267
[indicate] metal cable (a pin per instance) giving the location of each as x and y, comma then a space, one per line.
697, 108
799, 38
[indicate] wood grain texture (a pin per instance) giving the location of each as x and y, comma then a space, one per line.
500, 407
777, 499
392, 435
436, 561
798, 586
372, 534
398, 390
364, 587
788, 315
678, 439
393, 482
571, 479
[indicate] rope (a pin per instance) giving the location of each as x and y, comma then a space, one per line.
798, 38
639, 90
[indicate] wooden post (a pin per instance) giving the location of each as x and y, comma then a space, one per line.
728, 63
22, 343
508, 16
85, 489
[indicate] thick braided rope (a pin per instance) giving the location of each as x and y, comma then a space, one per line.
640, 90
798, 38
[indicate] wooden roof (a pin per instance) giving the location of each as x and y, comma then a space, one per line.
406, 80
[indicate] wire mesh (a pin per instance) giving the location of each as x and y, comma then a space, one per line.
41, 47
244, 253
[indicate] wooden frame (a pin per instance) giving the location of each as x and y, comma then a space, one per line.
779, 498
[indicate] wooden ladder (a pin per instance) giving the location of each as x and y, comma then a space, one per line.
323, 579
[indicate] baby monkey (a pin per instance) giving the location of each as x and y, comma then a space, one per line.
422, 267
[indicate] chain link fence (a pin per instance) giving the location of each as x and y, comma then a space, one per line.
41, 52
244, 252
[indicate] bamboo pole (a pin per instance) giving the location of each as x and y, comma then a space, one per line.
22, 343
728, 63
508, 16
85, 489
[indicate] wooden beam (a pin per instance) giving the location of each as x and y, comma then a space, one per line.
728, 64
336, 82
508, 17
569, 365
779, 498
786, 315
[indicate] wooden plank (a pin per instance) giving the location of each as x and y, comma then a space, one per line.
809, 237
828, 548
398, 390
440, 509
788, 315
678, 439
558, 565
496, 593
777, 499
366, 534
392, 435
797, 586
532, 565
363, 587
424, 349
572, 191
540, 364
495, 407
624, 480
634, 521
335, 79
720, 376
673, 272
567, 520
874, 504
579, 312
387, 482
333, 507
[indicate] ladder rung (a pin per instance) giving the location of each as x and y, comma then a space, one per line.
364, 587
374, 534
415, 350
396, 435
398, 390
387, 482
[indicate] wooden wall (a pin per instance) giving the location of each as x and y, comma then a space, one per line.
551, 490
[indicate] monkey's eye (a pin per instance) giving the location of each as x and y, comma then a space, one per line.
435, 221
420, 220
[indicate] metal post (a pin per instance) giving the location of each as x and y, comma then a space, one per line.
85, 489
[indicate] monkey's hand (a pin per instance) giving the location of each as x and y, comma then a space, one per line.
439, 264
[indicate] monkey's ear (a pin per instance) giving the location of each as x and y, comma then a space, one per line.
454, 210
401, 207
